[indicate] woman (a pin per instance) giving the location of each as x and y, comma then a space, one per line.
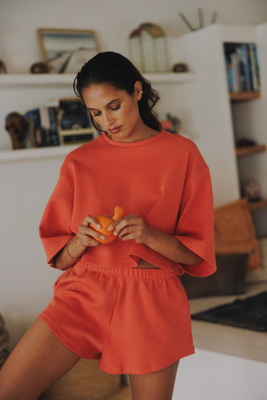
121, 303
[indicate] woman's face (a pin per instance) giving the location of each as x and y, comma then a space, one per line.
116, 111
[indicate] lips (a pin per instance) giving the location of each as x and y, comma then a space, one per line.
115, 130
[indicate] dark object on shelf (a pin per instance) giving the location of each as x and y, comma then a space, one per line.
229, 279
4, 342
39, 68
200, 19
3, 69
251, 190
16, 126
76, 138
244, 142
180, 67
249, 313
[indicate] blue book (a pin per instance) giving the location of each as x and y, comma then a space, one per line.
244, 68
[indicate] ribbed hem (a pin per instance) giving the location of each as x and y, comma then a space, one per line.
129, 272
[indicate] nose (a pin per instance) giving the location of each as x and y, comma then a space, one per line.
109, 120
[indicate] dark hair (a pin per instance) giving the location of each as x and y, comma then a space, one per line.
116, 70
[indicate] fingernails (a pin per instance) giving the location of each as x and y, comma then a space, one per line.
102, 237
98, 226
110, 228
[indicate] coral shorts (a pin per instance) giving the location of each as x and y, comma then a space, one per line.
133, 320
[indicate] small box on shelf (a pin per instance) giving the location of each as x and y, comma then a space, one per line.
75, 136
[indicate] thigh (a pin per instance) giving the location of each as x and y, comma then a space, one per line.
157, 385
37, 361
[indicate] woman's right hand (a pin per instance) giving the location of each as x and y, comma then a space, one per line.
86, 234
77, 245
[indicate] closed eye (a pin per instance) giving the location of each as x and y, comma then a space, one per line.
115, 108
97, 114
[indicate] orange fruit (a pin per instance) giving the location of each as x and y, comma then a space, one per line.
105, 222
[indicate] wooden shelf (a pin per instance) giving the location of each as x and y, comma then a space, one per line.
247, 151
243, 96
257, 205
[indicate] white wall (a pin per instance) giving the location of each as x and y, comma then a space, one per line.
26, 282
112, 20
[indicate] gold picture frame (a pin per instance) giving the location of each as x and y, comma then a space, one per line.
67, 50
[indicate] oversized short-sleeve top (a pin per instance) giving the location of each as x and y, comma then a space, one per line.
163, 179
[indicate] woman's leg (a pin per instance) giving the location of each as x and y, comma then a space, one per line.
37, 361
157, 385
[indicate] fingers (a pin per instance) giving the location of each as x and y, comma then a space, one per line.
86, 234
130, 227
121, 222
91, 220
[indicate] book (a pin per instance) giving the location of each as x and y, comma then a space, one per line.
36, 132
42, 126
230, 75
73, 114
53, 128
254, 66
242, 67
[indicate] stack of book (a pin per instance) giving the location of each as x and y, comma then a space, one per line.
67, 122
42, 127
242, 67
74, 124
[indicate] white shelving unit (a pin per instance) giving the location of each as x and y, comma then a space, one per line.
35, 153
213, 118
67, 79
21, 92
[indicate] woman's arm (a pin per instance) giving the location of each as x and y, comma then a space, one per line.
77, 245
170, 247
133, 227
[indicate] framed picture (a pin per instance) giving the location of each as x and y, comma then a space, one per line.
66, 50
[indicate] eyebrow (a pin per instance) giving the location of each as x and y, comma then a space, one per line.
112, 101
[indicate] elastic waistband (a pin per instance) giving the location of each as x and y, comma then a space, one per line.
129, 272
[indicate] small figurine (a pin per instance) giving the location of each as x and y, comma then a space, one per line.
39, 68
251, 190
16, 126
3, 69
180, 67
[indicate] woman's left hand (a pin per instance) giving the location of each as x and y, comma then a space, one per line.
131, 227
169, 246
